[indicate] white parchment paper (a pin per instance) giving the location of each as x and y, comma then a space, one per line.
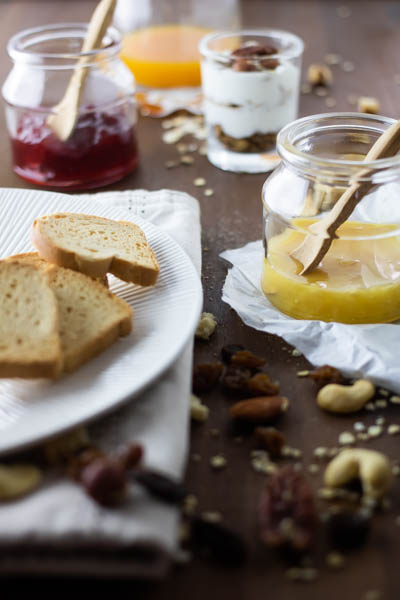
369, 350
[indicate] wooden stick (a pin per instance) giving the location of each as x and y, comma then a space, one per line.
63, 121
319, 240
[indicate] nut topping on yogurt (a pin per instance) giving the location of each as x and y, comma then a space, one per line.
254, 57
250, 93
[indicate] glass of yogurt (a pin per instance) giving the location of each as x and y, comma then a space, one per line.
251, 84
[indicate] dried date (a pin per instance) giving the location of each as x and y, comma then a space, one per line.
259, 410
206, 376
228, 351
235, 380
161, 486
261, 385
246, 359
287, 513
326, 374
270, 439
218, 542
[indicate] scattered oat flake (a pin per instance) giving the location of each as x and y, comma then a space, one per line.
380, 421
306, 88
362, 436
383, 392
187, 160
395, 399
332, 59
212, 516
348, 66
296, 352
330, 102
218, 461
190, 504
303, 373
320, 452
321, 92
396, 470
313, 468
170, 164
358, 426
374, 430
199, 182
181, 147
371, 406
393, 429
373, 595
203, 150
346, 438
334, 560
209, 192
198, 410
352, 99
381, 403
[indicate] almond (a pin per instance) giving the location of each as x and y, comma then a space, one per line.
260, 409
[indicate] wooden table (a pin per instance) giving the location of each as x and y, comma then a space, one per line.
370, 38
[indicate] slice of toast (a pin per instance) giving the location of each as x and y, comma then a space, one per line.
96, 246
91, 317
29, 338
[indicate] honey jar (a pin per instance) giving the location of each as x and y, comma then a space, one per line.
358, 280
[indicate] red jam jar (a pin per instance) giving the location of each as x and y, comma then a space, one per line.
102, 147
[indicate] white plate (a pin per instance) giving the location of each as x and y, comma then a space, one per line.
165, 317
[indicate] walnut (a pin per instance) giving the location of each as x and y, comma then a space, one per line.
287, 513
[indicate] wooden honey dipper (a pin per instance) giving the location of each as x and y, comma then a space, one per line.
319, 240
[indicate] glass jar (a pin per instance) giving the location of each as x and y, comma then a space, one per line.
250, 82
102, 148
358, 281
160, 43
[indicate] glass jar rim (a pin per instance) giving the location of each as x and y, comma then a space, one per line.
18, 45
291, 154
220, 56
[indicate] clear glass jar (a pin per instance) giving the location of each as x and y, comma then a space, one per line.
358, 281
102, 148
160, 43
250, 82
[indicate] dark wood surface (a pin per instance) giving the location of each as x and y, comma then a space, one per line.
370, 38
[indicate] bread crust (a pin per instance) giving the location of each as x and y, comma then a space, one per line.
97, 267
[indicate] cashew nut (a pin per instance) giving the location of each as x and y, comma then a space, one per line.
371, 467
18, 480
345, 398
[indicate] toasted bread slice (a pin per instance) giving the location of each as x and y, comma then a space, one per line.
29, 338
96, 246
91, 317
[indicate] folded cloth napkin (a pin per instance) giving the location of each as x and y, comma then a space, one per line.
60, 530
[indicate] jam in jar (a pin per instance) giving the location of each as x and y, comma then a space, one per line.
102, 147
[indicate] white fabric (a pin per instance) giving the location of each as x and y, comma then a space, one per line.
72, 533
368, 350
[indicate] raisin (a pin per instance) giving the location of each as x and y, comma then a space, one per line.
218, 542
244, 65
326, 374
77, 463
235, 380
228, 351
104, 480
161, 486
130, 456
261, 385
246, 359
271, 440
206, 376
287, 512
348, 529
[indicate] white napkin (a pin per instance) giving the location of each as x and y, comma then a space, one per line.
58, 529
368, 350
